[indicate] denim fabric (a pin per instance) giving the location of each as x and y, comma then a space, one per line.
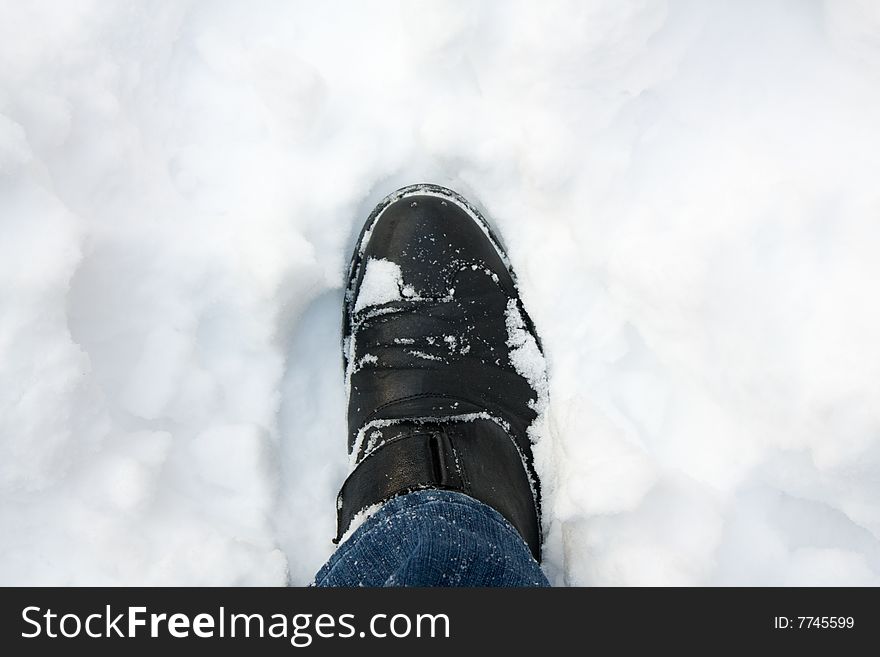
433, 538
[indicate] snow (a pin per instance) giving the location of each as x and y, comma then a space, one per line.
687, 190
382, 283
526, 356
424, 356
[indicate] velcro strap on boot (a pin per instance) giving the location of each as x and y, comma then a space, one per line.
477, 458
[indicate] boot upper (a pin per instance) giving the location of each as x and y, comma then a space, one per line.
435, 331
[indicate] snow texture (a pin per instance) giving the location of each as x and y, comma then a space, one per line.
382, 283
688, 191
526, 356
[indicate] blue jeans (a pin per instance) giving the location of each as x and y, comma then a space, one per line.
433, 538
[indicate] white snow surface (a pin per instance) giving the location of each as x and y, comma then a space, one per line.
382, 283
688, 191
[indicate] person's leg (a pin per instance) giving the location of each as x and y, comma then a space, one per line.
433, 538
445, 379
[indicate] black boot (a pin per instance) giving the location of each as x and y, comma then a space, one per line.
443, 366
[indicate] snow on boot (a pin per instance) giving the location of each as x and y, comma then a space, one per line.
443, 367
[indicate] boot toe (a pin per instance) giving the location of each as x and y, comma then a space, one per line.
432, 239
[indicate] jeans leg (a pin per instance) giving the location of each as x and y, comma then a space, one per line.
433, 538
